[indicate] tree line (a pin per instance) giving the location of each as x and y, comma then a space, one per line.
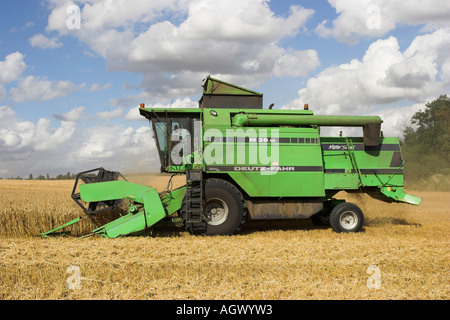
67, 176
426, 146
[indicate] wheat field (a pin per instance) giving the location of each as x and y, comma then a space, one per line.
402, 254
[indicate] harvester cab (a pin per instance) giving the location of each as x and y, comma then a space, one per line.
243, 162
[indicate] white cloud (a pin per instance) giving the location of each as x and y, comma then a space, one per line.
10, 70
34, 88
12, 67
74, 115
127, 150
47, 138
242, 21
97, 87
28, 147
383, 75
133, 113
230, 32
107, 115
231, 38
396, 119
374, 18
24, 137
42, 42
292, 64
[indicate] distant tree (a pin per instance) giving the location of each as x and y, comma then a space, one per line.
30, 177
426, 145
47, 176
432, 127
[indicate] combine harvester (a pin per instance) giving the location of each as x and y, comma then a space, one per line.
243, 162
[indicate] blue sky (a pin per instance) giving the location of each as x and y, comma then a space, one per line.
69, 96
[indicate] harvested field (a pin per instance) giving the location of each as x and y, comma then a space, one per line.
408, 245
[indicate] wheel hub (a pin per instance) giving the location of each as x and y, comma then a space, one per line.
216, 210
348, 220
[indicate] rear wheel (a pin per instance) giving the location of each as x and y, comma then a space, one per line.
346, 217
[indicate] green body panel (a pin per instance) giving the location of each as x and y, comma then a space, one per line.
259, 173
129, 224
398, 194
53, 231
348, 164
133, 222
306, 164
172, 201
118, 189
219, 87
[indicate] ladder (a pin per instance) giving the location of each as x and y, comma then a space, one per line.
194, 196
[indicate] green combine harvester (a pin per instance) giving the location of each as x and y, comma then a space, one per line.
243, 162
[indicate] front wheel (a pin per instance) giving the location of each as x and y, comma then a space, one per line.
346, 217
224, 207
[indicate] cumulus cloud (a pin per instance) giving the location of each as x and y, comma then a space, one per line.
12, 67
97, 87
119, 148
36, 88
383, 75
291, 64
74, 115
385, 82
133, 113
10, 70
397, 118
107, 115
375, 18
42, 42
203, 37
29, 147
24, 137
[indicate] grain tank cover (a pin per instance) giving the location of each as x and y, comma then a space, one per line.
220, 94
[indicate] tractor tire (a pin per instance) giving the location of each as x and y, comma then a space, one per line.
346, 217
224, 207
